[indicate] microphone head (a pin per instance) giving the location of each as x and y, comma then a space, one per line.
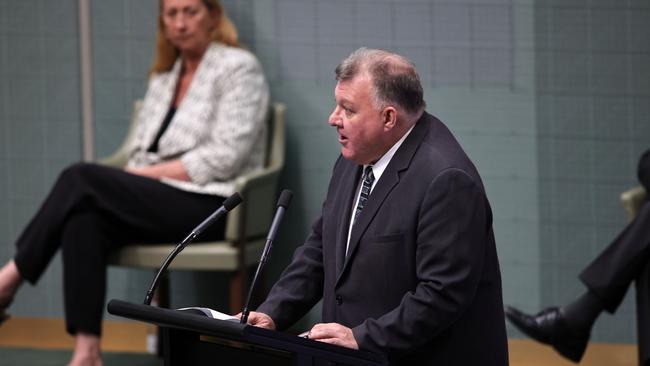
285, 198
232, 201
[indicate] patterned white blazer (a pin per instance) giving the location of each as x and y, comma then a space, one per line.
218, 131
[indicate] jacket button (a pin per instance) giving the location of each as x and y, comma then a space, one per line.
339, 299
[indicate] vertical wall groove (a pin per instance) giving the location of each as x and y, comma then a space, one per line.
85, 54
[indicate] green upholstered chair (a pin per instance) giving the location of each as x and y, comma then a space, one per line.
246, 225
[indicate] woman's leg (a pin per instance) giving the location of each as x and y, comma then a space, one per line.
40, 238
140, 204
87, 241
92, 210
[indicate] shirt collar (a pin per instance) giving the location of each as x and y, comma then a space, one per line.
381, 164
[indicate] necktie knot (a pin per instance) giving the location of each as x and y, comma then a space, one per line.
367, 175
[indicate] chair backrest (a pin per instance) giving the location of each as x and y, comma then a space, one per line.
275, 153
632, 200
251, 219
120, 156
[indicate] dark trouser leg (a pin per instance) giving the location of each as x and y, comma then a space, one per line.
41, 238
86, 245
108, 208
643, 315
612, 272
643, 170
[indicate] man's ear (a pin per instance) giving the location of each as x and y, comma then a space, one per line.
389, 117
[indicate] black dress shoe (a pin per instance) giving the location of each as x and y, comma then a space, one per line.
549, 327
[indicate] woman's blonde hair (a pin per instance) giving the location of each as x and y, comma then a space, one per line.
166, 54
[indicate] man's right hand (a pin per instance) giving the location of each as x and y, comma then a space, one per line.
259, 320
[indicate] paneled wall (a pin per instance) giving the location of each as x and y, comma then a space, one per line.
40, 124
549, 98
593, 123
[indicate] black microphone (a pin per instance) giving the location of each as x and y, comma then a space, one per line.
283, 203
230, 203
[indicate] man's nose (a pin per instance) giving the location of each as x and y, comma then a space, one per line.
334, 119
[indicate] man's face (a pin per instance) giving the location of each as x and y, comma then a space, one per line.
358, 123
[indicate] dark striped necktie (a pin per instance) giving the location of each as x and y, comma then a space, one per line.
368, 179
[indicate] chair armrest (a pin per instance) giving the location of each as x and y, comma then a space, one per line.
255, 213
118, 159
632, 200
253, 180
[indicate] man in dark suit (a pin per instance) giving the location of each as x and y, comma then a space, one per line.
403, 254
607, 278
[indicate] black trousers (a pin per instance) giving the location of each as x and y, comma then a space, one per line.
627, 260
623, 261
92, 210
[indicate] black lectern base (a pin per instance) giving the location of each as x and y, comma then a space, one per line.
190, 348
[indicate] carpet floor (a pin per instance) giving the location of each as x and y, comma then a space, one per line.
39, 357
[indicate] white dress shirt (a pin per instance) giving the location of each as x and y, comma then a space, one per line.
377, 170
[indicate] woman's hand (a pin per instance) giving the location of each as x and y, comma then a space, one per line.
170, 169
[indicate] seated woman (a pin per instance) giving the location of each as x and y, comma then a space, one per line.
201, 125
607, 279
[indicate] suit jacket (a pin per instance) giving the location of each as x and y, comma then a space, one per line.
218, 130
421, 281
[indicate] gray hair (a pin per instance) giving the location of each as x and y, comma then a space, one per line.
394, 78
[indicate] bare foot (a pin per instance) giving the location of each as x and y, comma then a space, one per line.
88, 360
10, 281
86, 350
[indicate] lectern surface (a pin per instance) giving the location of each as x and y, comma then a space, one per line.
198, 340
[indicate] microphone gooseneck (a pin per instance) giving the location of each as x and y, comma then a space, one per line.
283, 203
230, 203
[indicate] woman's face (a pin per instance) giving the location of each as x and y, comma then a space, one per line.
188, 25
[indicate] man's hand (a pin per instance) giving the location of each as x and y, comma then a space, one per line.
333, 333
259, 320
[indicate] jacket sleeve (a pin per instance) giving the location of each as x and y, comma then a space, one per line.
242, 107
452, 232
301, 284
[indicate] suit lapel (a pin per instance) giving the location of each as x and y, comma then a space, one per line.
163, 103
351, 180
193, 101
389, 179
